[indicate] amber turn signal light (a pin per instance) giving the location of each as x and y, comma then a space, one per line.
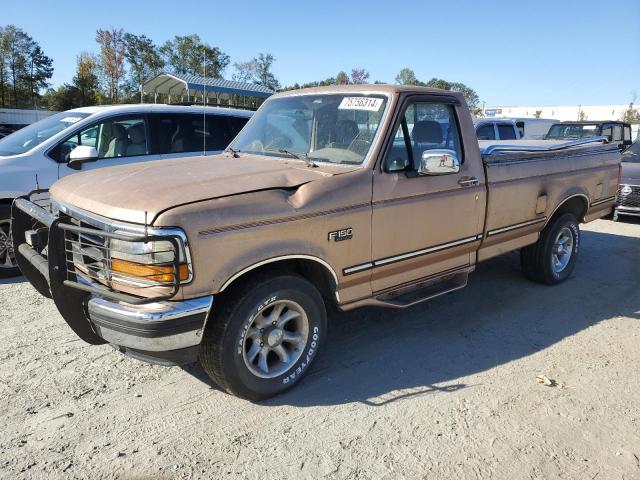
153, 273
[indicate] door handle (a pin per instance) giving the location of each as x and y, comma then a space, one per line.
468, 181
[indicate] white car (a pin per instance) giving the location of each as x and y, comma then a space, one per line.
96, 137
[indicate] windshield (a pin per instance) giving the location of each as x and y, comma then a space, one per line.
560, 131
33, 135
632, 154
335, 128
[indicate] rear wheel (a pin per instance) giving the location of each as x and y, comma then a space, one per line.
264, 337
552, 258
8, 264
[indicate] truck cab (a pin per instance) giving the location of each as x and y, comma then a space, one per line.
614, 131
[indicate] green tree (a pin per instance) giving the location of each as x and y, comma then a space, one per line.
631, 114
144, 60
86, 79
406, 76
263, 71
342, 78
112, 56
469, 94
190, 55
40, 71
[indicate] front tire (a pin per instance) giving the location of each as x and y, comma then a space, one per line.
553, 257
264, 337
8, 264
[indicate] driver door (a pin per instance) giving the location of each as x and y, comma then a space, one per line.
426, 223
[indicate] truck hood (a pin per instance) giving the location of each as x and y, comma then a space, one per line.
126, 192
630, 173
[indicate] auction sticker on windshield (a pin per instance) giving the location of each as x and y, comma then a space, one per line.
71, 119
361, 103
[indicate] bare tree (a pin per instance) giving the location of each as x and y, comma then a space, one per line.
112, 56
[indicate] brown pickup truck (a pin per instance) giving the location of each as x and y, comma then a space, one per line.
346, 196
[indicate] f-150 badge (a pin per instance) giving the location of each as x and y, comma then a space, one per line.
340, 235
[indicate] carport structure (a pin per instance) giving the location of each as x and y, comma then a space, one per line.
177, 88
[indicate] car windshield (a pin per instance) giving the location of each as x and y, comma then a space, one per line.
632, 154
560, 131
334, 128
33, 135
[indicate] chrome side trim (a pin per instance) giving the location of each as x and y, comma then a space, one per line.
405, 256
276, 259
515, 226
604, 200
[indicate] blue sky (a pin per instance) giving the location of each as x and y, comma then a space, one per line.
541, 52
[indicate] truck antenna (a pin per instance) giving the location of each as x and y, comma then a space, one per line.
37, 183
146, 230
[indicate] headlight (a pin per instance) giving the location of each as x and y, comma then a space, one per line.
150, 262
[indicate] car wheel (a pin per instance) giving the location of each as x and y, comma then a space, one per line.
552, 258
264, 336
8, 264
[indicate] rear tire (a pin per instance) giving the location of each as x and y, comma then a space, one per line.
8, 265
552, 258
264, 336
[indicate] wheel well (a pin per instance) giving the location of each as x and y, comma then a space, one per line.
576, 205
315, 272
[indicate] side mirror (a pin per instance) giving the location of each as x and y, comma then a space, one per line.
439, 162
82, 154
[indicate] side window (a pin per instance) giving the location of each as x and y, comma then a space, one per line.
121, 137
627, 134
617, 133
424, 126
520, 126
486, 132
235, 125
506, 131
607, 132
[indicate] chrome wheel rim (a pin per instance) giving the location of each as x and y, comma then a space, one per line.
562, 250
275, 339
7, 256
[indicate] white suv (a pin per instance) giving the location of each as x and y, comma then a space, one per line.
97, 137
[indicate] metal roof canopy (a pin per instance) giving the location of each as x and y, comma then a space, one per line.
193, 85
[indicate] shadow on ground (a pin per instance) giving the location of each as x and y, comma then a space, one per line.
378, 356
12, 280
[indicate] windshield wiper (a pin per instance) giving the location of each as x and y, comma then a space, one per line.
233, 152
299, 156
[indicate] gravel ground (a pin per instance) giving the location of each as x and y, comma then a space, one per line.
445, 389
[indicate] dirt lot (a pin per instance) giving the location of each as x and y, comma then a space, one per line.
444, 390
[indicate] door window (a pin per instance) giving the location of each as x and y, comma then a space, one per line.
424, 126
486, 132
506, 131
617, 133
112, 138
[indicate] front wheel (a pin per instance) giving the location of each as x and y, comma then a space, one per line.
552, 258
264, 337
8, 264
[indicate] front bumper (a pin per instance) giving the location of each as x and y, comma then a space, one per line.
166, 332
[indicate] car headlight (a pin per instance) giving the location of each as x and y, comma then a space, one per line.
150, 262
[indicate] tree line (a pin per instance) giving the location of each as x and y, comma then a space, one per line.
123, 61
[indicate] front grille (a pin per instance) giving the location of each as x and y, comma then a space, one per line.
630, 200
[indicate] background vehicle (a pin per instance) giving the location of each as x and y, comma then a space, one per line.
358, 195
628, 199
496, 129
534, 128
616, 132
96, 137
